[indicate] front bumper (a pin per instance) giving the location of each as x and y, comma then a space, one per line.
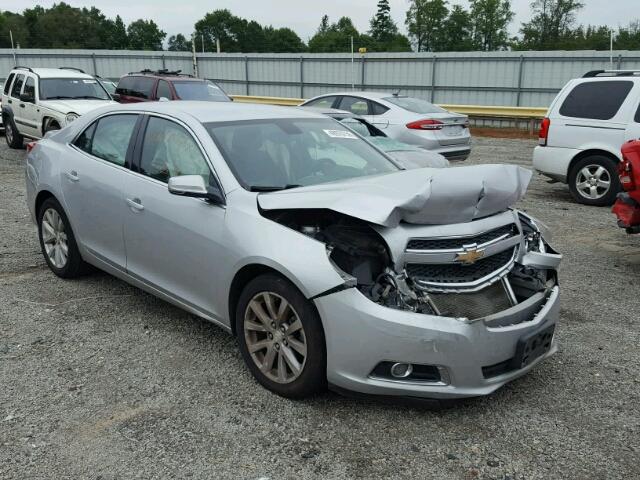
360, 334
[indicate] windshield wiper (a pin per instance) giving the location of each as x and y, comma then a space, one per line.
89, 97
57, 97
271, 188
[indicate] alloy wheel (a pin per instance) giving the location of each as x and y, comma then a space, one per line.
593, 181
275, 337
54, 238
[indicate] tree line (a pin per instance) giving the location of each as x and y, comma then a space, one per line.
431, 25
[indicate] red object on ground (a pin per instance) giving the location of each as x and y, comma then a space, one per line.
627, 206
30, 146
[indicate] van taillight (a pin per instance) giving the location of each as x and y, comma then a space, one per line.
544, 131
427, 124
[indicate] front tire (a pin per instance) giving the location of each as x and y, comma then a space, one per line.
281, 337
11, 134
57, 241
593, 180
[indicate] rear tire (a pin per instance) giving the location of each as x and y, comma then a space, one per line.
281, 338
11, 134
593, 180
57, 241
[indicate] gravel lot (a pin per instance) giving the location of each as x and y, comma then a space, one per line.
99, 380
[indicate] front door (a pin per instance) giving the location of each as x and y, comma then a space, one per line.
173, 243
30, 117
93, 175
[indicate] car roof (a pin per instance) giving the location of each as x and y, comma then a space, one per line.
370, 95
165, 76
330, 111
205, 112
54, 72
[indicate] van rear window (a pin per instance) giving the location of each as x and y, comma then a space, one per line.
596, 100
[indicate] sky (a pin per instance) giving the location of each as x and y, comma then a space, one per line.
178, 16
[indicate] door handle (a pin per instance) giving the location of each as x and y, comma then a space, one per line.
73, 176
22, 105
9, 101
135, 203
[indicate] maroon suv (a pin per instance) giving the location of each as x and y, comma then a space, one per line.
146, 86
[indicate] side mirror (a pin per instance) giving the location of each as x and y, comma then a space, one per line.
194, 186
26, 97
115, 97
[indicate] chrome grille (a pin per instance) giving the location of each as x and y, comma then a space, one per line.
457, 243
490, 300
444, 273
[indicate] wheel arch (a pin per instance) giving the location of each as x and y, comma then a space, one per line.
40, 199
588, 153
242, 278
46, 120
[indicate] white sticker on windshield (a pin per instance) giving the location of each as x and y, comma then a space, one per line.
89, 81
340, 134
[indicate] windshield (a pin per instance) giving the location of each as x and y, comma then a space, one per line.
274, 154
54, 88
207, 91
416, 105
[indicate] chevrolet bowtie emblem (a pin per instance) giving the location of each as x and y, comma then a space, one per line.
469, 257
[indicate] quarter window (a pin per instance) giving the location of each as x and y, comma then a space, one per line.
170, 151
378, 109
637, 117
7, 85
163, 90
108, 138
597, 100
17, 86
358, 106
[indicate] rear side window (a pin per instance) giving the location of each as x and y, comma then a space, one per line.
358, 106
17, 86
596, 100
637, 117
140, 87
108, 138
8, 83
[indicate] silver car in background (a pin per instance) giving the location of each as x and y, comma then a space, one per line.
410, 120
329, 263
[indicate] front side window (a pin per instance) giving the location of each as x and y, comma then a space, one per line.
324, 102
358, 106
7, 85
30, 87
163, 90
72, 88
360, 127
415, 105
193, 90
17, 86
108, 138
169, 150
281, 153
596, 100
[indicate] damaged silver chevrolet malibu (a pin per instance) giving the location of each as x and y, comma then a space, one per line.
329, 263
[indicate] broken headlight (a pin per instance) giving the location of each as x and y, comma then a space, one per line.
534, 234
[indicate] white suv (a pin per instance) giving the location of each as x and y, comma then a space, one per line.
585, 127
36, 100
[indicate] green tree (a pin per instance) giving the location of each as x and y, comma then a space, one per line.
490, 19
145, 35
118, 39
551, 24
281, 40
17, 25
628, 38
382, 27
336, 37
178, 43
425, 23
220, 25
457, 31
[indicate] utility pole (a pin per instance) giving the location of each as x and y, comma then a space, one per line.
611, 50
353, 72
202, 37
193, 53
217, 45
12, 48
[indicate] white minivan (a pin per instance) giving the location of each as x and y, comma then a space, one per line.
585, 127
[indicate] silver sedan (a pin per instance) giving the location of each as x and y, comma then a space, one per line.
329, 263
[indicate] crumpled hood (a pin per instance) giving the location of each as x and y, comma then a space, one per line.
424, 196
76, 106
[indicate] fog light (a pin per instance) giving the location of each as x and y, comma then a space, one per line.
401, 370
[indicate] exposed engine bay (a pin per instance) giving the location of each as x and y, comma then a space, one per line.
468, 276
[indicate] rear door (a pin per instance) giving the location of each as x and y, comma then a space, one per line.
14, 102
592, 114
633, 127
92, 180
